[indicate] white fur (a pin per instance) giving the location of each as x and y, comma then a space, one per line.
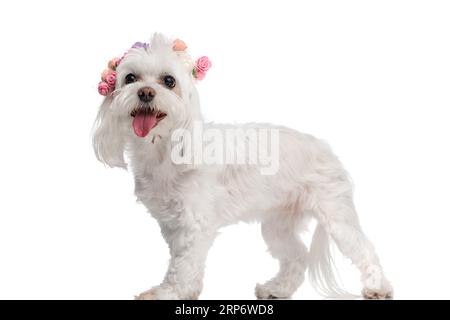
192, 202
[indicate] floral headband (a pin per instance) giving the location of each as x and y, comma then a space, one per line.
108, 83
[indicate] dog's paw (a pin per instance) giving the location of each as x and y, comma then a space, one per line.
377, 294
376, 286
158, 293
271, 290
146, 295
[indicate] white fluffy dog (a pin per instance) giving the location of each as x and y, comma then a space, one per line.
149, 94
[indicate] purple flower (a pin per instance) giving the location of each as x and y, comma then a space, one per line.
139, 45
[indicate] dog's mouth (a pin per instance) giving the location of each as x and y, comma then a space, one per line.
145, 119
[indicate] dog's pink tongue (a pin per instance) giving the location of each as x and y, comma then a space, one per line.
143, 122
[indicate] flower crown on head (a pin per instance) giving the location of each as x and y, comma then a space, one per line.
108, 76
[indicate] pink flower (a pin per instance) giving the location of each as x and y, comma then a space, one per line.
200, 75
105, 74
113, 63
203, 64
104, 89
179, 45
110, 79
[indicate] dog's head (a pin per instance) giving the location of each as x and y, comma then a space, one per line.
149, 92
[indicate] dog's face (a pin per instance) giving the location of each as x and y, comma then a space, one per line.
153, 89
154, 95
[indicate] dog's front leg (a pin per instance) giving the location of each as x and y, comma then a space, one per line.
189, 244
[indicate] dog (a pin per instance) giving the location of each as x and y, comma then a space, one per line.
150, 95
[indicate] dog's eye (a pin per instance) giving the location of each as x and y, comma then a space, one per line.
130, 78
169, 82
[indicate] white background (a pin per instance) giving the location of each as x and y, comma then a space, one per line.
370, 77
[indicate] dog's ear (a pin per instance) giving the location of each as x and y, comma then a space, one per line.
187, 62
194, 103
108, 137
180, 49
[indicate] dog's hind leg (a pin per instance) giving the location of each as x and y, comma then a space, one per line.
285, 245
337, 218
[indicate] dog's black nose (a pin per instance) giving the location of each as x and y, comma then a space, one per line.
146, 94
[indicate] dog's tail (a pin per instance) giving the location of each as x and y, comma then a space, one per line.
322, 269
